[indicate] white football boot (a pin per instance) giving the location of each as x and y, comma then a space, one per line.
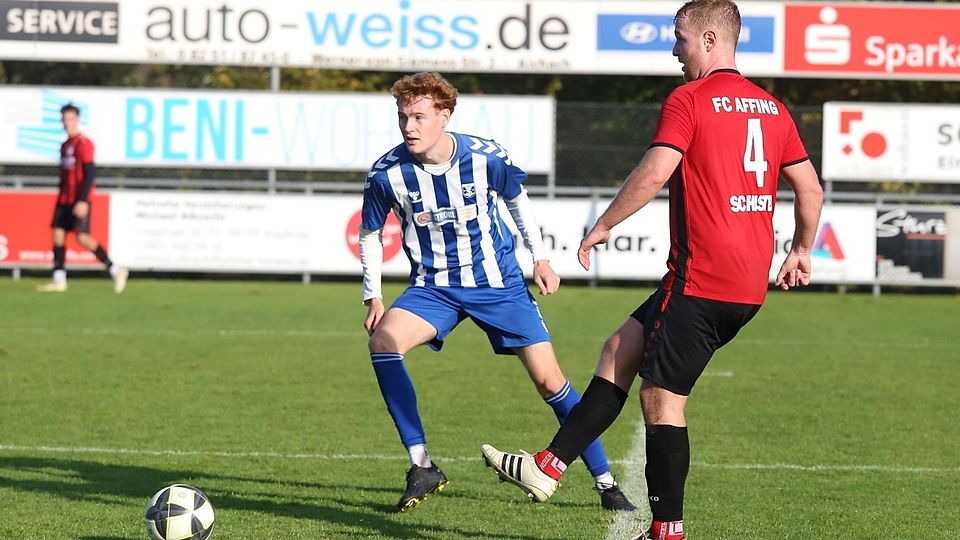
53, 286
520, 470
120, 279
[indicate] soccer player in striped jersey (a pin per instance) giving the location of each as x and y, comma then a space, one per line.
72, 212
444, 188
722, 143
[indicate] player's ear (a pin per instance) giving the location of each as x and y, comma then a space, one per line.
709, 40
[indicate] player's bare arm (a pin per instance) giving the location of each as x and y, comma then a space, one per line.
643, 184
796, 268
599, 234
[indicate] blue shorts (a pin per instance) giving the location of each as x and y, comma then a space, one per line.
509, 316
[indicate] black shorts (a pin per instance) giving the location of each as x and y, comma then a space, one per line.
681, 333
63, 218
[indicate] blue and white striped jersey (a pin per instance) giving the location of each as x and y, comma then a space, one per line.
452, 232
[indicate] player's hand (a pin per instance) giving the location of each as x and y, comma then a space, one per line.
375, 312
599, 234
81, 209
795, 271
546, 279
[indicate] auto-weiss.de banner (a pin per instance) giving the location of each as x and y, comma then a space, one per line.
880, 40
519, 36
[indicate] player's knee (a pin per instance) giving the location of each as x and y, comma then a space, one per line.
608, 356
86, 241
660, 406
383, 341
610, 348
550, 386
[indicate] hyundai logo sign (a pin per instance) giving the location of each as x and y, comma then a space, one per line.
638, 32
653, 32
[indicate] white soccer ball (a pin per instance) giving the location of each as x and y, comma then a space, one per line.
179, 512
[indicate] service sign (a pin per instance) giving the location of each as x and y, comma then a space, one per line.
185, 128
887, 141
875, 40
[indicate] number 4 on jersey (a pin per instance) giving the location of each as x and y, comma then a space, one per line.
753, 155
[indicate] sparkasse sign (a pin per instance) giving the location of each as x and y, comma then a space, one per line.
875, 40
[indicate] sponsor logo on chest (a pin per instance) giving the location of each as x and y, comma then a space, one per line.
445, 215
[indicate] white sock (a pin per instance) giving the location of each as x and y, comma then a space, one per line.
605, 480
113, 270
419, 455
60, 276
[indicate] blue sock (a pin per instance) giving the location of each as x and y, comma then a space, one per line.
399, 395
594, 457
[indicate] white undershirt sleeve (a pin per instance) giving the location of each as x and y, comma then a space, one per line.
521, 210
371, 260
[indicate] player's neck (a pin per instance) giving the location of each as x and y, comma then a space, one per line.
440, 153
721, 63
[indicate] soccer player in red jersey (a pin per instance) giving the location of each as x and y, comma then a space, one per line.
72, 212
721, 142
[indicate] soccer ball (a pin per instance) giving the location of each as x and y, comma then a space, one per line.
179, 512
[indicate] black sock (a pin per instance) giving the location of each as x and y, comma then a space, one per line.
102, 256
59, 256
599, 406
668, 460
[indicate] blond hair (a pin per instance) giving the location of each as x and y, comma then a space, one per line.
723, 16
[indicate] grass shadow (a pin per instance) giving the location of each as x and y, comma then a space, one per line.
81, 480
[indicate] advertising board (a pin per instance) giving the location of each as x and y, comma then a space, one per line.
284, 130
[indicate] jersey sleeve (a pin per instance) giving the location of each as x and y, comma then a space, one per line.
793, 149
675, 126
507, 179
377, 201
85, 151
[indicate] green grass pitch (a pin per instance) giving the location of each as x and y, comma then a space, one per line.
830, 416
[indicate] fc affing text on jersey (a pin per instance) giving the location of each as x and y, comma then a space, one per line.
747, 105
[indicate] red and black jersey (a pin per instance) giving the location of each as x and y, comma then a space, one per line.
75, 152
735, 138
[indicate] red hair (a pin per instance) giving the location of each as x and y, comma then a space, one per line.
426, 84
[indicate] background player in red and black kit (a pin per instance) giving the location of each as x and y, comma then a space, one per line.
721, 142
72, 213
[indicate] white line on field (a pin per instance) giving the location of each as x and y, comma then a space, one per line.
634, 485
904, 344
403, 457
235, 332
710, 373
225, 332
